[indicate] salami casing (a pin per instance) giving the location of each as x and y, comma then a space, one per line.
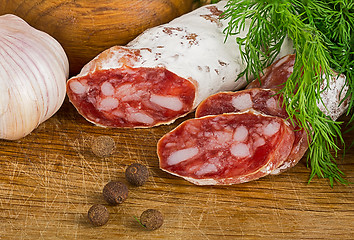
226, 149
161, 75
265, 101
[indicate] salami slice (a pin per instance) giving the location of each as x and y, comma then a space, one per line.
226, 149
265, 101
161, 75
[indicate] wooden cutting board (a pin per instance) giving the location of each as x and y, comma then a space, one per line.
49, 180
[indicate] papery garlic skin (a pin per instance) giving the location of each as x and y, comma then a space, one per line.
33, 73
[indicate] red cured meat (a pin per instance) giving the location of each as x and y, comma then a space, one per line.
262, 100
118, 97
226, 149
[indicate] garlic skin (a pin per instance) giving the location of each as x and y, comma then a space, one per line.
33, 73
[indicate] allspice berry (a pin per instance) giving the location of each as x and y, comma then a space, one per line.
98, 215
152, 219
137, 174
115, 192
103, 146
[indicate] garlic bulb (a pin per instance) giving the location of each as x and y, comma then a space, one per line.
33, 73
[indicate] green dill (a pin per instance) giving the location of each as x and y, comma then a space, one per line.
323, 37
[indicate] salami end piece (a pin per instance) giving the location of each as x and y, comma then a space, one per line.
333, 90
226, 149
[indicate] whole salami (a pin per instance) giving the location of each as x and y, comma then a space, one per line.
226, 149
161, 75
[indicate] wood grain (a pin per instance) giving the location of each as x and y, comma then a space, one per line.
86, 28
50, 179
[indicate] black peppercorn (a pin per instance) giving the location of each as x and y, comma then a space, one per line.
152, 219
98, 215
115, 192
137, 174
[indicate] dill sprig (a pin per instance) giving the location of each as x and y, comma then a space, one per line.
322, 34
335, 20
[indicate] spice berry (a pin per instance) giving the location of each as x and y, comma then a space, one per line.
103, 146
137, 174
98, 215
115, 192
152, 219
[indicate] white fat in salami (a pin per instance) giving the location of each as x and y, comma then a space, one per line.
265, 101
161, 75
226, 149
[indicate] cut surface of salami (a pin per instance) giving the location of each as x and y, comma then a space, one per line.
265, 101
226, 149
118, 98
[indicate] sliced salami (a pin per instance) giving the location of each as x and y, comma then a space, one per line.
265, 101
226, 149
161, 75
